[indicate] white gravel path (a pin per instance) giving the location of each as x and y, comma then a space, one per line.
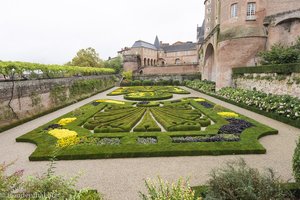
121, 179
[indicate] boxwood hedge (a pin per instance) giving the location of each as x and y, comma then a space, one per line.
184, 115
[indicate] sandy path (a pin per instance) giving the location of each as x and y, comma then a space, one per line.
121, 179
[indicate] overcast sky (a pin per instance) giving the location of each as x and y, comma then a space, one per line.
52, 31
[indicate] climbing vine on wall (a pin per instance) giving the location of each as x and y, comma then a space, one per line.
58, 94
36, 99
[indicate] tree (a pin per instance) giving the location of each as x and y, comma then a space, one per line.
115, 63
86, 58
280, 54
127, 75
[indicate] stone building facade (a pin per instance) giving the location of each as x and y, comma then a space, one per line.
161, 58
235, 31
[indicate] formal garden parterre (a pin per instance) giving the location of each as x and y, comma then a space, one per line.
115, 129
148, 93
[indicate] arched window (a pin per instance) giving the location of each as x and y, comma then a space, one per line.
251, 11
177, 61
234, 10
145, 61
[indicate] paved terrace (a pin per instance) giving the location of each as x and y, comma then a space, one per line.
122, 178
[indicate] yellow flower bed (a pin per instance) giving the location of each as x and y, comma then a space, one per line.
117, 91
141, 94
110, 101
178, 89
67, 141
228, 114
62, 133
200, 100
66, 121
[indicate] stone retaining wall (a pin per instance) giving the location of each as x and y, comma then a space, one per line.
33, 97
281, 84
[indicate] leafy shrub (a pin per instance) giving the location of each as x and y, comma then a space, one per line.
126, 83
205, 86
127, 75
136, 83
280, 54
176, 82
282, 105
148, 83
46, 186
162, 190
9, 184
219, 108
238, 181
296, 162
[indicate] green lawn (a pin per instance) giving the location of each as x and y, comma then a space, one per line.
108, 129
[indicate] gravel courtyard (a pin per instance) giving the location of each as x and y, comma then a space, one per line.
123, 178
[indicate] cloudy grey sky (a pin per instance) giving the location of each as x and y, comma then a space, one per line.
52, 31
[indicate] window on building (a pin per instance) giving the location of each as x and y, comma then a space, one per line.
251, 9
234, 10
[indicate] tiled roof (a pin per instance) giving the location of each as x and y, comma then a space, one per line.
180, 47
140, 43
167, 48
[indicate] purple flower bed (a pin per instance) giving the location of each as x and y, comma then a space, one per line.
215, 138
206, 105
144, 102
236, 126
147, 140
52, 126
176, 101
95, 103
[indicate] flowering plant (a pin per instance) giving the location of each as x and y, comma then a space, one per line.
110, 101
67, 141
283, 105
199, 100
66, 121
228, 114
62, 133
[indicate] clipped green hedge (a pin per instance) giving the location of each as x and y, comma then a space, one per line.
280, 69
147, 124
156, 97
128, 147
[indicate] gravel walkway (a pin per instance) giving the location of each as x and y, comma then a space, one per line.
121, 179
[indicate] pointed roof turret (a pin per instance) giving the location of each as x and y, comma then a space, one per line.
157, 43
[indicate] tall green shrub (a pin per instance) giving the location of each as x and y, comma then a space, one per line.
127, 75
47, 186
240, 182
296, 162
280, 54
162, 190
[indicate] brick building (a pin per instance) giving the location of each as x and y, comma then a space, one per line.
232, 34
235, 31
161, 58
